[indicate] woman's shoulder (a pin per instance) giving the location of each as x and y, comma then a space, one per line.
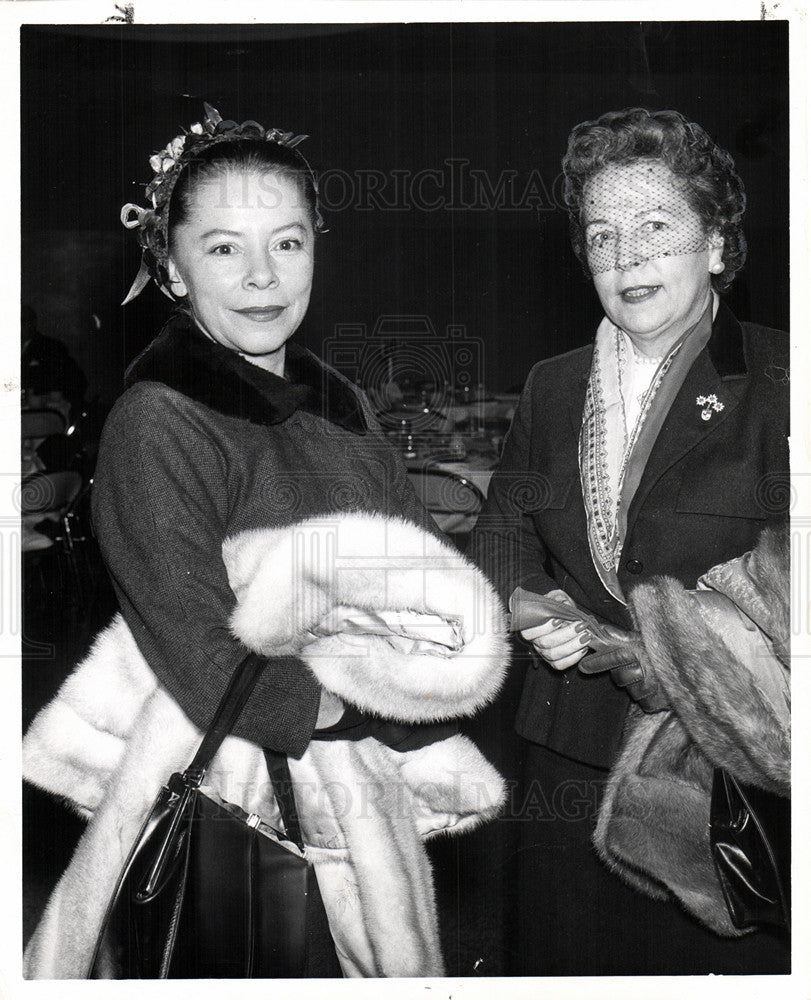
151, 402
767, 352
158, 413
765, 338
561, 369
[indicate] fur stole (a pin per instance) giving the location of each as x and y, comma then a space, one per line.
724, 666
113, 735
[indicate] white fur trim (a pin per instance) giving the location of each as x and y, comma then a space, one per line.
288, 580
113, 735
89, 720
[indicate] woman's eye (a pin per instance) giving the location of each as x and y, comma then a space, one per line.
222, 250
654, 226
598, 240
288, 244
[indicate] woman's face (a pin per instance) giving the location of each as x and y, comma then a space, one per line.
244, 257
648, 253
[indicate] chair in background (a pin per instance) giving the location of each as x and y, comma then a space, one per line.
37, 427
41, 423
453, 501
52, 498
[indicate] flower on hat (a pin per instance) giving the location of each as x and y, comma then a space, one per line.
167, 158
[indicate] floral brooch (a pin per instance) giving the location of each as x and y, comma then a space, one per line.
711, 404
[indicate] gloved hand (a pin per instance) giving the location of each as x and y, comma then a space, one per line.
628, 668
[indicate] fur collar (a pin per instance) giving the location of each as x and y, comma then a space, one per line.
184, 359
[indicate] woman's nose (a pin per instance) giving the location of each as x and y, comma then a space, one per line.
628, 254
261, 272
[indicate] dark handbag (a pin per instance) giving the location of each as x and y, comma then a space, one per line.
750, 835
207, 891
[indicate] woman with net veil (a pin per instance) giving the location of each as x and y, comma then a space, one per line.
651, 453
248, 508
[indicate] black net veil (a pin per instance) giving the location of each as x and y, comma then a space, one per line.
636, 212
643, 185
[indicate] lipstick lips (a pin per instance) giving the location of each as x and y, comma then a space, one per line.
261, 314
638, 293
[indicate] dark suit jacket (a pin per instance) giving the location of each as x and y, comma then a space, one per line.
709, 488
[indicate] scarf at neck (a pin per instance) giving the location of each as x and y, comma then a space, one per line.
613, 456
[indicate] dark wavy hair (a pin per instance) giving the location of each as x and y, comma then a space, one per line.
710, 184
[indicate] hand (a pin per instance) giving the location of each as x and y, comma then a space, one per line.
330, 710
561, 644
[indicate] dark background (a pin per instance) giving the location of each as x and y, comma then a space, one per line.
96, 101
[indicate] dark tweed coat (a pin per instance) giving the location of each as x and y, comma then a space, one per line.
203, 445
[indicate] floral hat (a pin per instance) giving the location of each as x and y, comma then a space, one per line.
167, 166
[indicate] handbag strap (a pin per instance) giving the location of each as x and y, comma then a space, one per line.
279, 771
230, 707
239, 689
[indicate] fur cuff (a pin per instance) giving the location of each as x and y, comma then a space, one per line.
288, 581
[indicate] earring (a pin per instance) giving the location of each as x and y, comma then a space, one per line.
718, 268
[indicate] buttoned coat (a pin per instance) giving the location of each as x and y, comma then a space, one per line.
714, 479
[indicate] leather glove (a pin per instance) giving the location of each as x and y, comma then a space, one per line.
628, 669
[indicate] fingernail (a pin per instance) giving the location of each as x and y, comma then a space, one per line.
557, 622
582, 630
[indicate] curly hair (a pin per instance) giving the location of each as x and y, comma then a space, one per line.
707, 172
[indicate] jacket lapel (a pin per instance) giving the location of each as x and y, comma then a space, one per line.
719, 371
577, 398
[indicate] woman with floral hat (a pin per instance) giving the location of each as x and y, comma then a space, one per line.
230, 458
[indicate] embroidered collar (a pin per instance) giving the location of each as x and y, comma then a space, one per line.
184, 359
